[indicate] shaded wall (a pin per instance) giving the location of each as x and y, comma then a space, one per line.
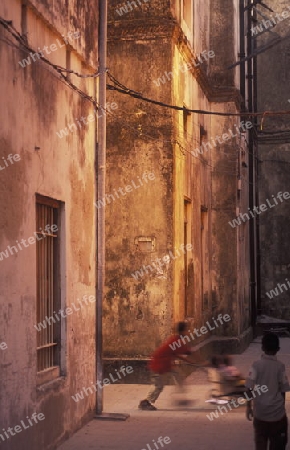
274, 166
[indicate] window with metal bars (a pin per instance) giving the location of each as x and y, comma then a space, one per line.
48, 284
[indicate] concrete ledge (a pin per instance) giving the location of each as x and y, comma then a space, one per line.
212, 345
277, 327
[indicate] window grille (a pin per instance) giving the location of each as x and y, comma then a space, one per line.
48, 292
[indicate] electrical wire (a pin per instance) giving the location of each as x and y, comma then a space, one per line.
127, 91
60, 71
122, 88
61, 77
274, 160
186, 147
259, 50
182, 147
9, 26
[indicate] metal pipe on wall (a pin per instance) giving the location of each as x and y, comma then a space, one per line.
242, 54
101, 188
255, 109
252, 172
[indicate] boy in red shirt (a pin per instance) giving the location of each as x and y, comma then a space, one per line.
161, 364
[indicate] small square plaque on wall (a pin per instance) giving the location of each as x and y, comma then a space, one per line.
145, 243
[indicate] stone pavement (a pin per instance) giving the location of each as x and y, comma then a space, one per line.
187, 428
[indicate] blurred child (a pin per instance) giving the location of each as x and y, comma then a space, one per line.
228, 372
161, 364
231, 372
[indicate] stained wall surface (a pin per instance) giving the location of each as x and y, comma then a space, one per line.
153, 50
40, 122
274, 159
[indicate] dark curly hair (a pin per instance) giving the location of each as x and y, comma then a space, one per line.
270, 342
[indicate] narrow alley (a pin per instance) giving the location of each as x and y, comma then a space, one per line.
144, 224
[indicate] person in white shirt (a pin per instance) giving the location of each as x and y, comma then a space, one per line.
268, 378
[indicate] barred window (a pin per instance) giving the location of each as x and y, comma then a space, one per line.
48, 285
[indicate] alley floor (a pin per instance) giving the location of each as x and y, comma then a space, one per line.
186, 429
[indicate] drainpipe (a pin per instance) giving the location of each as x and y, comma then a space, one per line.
101, 186
100, 159
242, 54
255, 105
252, 180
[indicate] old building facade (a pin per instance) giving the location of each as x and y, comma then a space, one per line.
47, 219
176, 179
273, 145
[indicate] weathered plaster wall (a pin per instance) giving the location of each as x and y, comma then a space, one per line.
190, 184
230, 245
223, 282
152, 47
37, 105
72, 15
138, 313
223, 40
